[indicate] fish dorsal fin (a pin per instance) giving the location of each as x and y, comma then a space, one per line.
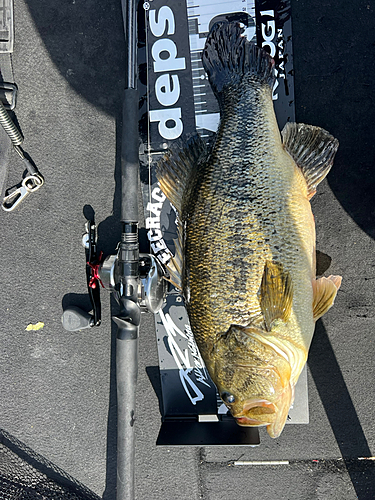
175, 168
275, 293
313, 149
325, 290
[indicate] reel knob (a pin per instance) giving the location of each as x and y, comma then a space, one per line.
75, 318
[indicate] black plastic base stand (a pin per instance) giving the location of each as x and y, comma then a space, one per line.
194, 433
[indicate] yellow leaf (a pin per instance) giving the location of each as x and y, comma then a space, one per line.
37, 326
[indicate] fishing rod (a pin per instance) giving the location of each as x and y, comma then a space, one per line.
136, 280
128, 260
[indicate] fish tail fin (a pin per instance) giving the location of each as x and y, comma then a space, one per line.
228, 57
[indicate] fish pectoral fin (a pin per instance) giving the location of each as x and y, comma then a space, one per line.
275, 293
174, 273
325, 290
313, 149
174, 170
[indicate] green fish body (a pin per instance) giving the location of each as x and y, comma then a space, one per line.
245, 258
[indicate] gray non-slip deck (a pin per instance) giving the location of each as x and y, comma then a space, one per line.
57, 389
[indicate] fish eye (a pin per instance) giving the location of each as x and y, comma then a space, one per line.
227, 397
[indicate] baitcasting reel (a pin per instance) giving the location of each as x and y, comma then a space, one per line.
105, 273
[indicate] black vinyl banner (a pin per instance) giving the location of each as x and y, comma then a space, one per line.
170, 92
274, 34
179, 97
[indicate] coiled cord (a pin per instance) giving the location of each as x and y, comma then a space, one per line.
10, 127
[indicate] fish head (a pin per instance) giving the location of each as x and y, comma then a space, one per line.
253, 379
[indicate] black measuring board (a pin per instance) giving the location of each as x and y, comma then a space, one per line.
176, 101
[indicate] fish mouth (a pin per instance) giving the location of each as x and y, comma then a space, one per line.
256, 413
260, 403
250, 422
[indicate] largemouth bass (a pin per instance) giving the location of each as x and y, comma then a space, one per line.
245, 255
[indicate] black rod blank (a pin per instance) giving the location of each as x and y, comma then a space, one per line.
129, 14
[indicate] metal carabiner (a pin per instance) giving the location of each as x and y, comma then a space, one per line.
29, 184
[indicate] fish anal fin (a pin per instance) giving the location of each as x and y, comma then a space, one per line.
275, 293
313, 149
325, 290
174, 170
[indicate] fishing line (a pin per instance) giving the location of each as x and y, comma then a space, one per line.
148, 116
